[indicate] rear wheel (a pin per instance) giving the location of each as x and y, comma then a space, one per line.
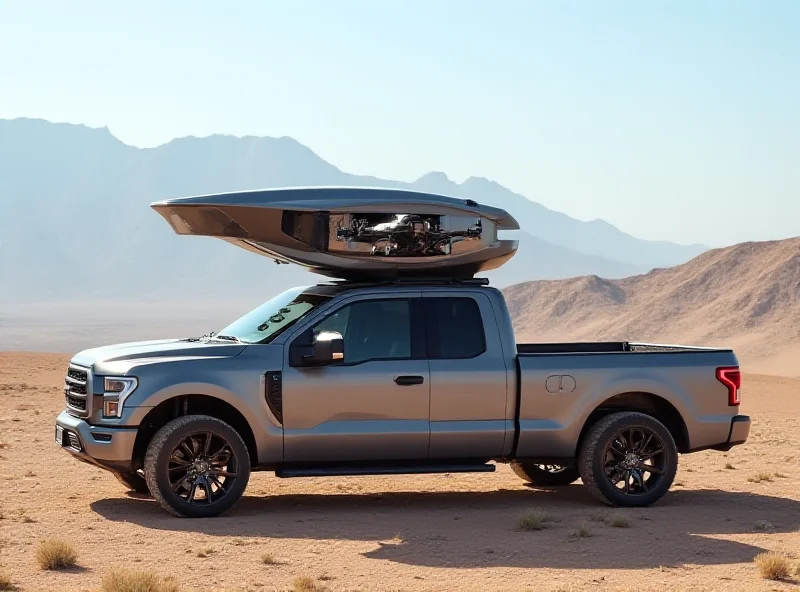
197, 466
545, 475
628, 459
134, 481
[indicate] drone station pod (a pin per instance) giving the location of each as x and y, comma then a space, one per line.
353, 232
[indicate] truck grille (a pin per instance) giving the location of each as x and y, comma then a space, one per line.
76, 391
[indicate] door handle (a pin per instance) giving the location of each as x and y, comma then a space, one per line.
408, 380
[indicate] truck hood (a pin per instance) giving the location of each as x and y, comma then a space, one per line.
154, 350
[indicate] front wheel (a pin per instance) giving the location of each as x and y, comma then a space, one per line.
628, 459
197, 466
545, 475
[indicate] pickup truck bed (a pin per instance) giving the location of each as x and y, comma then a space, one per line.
599, 347
566, 386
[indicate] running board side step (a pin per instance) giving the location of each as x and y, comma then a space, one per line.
344, 471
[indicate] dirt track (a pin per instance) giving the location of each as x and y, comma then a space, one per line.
401, 533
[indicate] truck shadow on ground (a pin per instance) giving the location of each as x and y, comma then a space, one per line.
478, 529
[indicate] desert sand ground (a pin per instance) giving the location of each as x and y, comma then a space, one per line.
446, 532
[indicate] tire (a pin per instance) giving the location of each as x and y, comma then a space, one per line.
134, 482
545, 475
617, 447
179, 461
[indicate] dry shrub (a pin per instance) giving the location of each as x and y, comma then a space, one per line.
56, 554
618, 521
269, 559
307, 584
205, 552
759, 477
730, 467
535, 520
762, 526
137, 580
772, 566
598, 516
5, 582
582, 531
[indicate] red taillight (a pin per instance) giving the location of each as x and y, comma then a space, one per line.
731, 377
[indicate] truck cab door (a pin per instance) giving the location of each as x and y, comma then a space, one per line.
372, 405
469, 377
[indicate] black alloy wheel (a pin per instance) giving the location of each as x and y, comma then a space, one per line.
628, 459
197, 466
635, 461
202, 468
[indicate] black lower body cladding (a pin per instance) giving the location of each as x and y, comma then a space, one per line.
197, 466
628, 459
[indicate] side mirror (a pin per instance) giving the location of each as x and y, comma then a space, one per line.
326, 348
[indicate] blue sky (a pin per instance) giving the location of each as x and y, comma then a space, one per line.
671, 120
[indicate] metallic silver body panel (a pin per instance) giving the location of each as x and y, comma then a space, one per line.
550, 423
469, 397
118, 451
352, 413
467, 439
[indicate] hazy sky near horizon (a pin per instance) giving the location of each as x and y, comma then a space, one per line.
671, 120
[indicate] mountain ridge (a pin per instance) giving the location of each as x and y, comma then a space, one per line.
746, 296
79, 198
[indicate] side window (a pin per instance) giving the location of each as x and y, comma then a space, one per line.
455, 328
372, 330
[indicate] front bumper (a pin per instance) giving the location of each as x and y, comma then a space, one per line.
738, 434
107, 447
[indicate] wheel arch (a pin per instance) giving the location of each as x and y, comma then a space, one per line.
192, 404
648, 403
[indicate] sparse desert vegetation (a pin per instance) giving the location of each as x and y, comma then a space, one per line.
269, 559
761, 477
56, 554
6, 584
137, 580
763, 526
534, 520
581, 531
307, 584
618, 520
773, 566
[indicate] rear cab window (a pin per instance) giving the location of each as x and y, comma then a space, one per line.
454, 328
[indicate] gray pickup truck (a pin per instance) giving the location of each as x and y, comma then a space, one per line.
388, 376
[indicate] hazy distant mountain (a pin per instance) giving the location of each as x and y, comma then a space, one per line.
75, 220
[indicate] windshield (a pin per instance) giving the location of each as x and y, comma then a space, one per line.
263, 324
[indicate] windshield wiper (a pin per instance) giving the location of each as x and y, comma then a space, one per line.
206, 336
226, 338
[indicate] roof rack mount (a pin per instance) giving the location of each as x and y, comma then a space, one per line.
416, 281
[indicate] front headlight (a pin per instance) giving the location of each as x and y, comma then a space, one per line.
116, 390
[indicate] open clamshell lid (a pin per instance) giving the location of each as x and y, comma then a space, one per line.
353, 232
